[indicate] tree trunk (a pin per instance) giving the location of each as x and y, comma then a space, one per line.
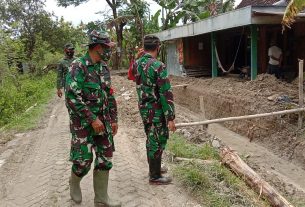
119, 35
239, 167
119, 50
116, 60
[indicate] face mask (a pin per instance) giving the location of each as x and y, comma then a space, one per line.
158, 51
106, 55
70, 53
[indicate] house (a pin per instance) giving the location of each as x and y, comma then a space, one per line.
234, 40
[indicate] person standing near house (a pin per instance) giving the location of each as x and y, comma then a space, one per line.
140, 53
156, 105
93, 119
275, 59
63, 67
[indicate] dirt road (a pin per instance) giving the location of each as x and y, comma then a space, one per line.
34, 167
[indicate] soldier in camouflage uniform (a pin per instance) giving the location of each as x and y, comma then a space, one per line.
155, 101
63, 67
93, 118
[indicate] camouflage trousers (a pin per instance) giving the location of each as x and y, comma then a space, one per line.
157, 135
83, 143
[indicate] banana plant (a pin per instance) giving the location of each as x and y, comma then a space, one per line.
191, 10
292, 10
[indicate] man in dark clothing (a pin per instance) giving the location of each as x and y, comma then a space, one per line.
63, 67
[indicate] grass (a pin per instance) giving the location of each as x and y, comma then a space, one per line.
213, 184
34, 92
31, 119
181, 148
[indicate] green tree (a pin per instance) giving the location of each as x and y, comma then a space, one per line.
151, 25
174, 11
114, 5
94, 25
23, 19
59, 32
134, 14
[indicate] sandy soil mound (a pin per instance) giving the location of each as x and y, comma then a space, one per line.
230, 96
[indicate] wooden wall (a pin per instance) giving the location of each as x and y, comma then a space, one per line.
197, 51
292, 43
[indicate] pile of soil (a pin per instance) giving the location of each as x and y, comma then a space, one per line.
230, 96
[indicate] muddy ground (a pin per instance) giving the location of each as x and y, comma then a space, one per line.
34, 166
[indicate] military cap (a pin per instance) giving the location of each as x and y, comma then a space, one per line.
69, 46
96, 37
151, 40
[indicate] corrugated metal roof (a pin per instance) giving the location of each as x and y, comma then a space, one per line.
245, 3
233, 19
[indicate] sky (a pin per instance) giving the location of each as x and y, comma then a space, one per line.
86, 11
237, 2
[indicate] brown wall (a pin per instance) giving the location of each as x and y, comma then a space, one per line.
262, 49
193, 56
292, 43
299, 29
227, 47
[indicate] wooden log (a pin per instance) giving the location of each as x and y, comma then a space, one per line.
290, 111
240, 168
301, 93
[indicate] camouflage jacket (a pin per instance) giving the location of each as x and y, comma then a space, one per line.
89, 94
155, 97
62, 69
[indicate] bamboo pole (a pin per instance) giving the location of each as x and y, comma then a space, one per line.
301, 93
199, 161
182, 85
290, 111
239, 167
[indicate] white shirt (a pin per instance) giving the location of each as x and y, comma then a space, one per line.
275, 52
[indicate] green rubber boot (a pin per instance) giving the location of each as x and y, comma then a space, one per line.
100, 184
75, 191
